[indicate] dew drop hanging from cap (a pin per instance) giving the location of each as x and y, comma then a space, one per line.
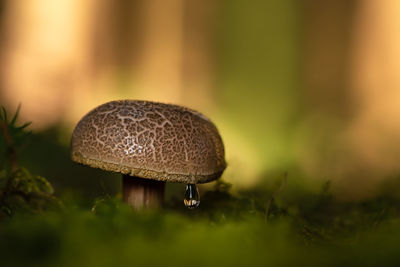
192, 196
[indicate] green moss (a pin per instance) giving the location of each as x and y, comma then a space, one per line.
112, 234
273, 224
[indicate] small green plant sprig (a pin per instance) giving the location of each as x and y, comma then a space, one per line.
20, 191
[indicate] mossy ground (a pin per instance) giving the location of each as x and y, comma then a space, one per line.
111, 234
85, 223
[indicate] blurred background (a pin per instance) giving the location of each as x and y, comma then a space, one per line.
309, 87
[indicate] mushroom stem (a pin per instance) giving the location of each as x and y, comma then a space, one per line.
142, 193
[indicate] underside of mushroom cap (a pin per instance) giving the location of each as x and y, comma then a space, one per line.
150, 140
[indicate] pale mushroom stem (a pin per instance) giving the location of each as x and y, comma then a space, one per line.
142, 193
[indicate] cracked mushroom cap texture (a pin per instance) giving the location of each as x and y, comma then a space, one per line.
150, 140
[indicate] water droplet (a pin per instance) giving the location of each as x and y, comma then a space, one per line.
192, 196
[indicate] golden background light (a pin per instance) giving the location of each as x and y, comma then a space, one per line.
311, 84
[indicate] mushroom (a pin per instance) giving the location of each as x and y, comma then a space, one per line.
150, 143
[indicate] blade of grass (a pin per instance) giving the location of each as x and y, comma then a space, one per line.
14, 119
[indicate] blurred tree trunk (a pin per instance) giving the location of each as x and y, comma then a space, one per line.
326, 46
175, 62
351, 79
62, 58
325, 65
44, 57
198, 66
375, 83
159, 71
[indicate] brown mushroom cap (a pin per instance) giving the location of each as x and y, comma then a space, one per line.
150, 140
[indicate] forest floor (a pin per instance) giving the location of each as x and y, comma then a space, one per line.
274, 223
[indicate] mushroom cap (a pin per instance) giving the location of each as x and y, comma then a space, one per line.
150, 140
